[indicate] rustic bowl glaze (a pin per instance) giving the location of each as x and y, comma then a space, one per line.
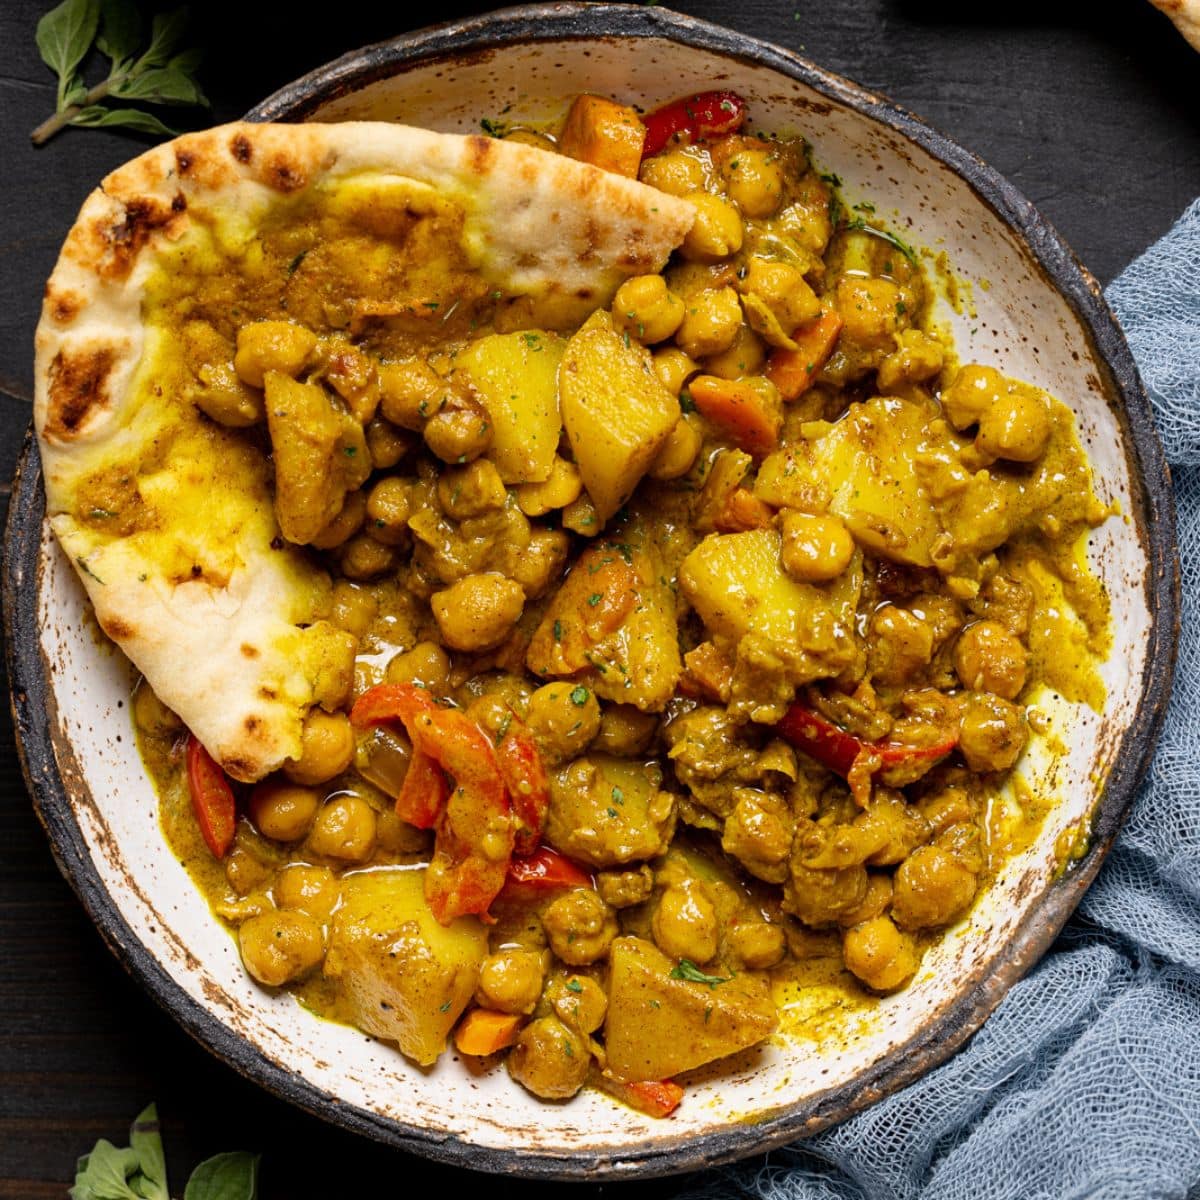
1025, 304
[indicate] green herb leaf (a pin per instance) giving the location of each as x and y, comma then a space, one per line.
573, 985
160, 85
579, 696
105, 1173
95, 116
64, 36
688, 970
145, 1139
165, 35
120, 31
505, 726
224, 1177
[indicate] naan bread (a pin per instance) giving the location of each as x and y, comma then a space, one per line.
1186, 15
169, 516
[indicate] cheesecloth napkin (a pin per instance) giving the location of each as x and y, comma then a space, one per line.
1085, 1082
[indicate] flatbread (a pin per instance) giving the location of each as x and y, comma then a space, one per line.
168, 516
1186, 15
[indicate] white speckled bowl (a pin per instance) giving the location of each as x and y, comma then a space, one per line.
1042, 319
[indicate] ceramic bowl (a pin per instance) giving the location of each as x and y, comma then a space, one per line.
1025, 304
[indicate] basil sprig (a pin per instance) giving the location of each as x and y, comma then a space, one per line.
162, 73
139, 1171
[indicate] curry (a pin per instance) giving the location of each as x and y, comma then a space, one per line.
692, 636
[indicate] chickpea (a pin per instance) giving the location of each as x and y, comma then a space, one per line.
471, 491
344, 829
564, 718
326, 748
867, 307
345, 525
992, 732
1017, 428
784, 298
225, 398
511, 980
930, 888
580, 926
917, 358
478, 612
645, 308
386, 444
410, 392
561, 488
716, 232
550, 1059
578, 1001
460, 432
625, 731
685, 922
278, 947
244, 870
711, 322
821, 897
757, 945
364, 557
758, 833
815, 549
673, 368
283, 811
679, 451
354, 607
311, 890
388, 508
580, 517
542, 561
264, 346
902, 644
426, 664
988, 658
623, 888
754, 181
745, 356
151, 714
677, 172
880, 955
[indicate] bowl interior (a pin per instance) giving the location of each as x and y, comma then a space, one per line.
1008, 313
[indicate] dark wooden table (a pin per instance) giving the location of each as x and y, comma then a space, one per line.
1090, 109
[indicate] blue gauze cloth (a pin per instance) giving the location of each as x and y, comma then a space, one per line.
1085, 1081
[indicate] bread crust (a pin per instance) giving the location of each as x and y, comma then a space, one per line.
1186, 15
232, 649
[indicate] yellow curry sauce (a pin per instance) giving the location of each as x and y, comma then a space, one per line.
765, 578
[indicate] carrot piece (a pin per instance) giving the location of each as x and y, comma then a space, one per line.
745, 414
743, 510
484, 1031
656, 1098
793, 372
604, 133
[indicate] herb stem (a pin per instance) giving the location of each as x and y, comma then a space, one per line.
52, 125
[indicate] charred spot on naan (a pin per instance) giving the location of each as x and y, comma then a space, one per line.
78, 388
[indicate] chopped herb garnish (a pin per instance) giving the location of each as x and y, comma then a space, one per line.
505, 725
492, 128
595, 599
618, 796
686, 969
686, 403
573, 985
579, 696
88, 570
558, 631
296, 262
444, 1007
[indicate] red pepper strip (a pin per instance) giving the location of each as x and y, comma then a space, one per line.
543, 871
836, 749
424, 792
389, 702
655, 1099
212, 799
704, 115
525, 777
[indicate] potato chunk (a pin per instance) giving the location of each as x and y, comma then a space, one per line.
612, 625
404, 976
515, 377
320, 455
616, 412
861, 466
659, 1024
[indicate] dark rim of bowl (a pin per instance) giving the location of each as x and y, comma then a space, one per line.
1155, 518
